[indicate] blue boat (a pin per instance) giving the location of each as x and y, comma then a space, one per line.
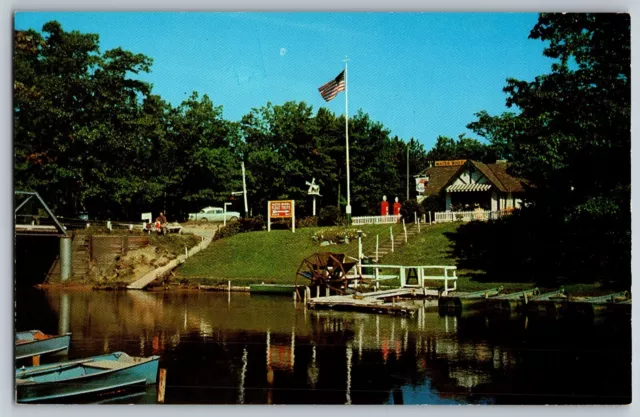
96, 375
35, 343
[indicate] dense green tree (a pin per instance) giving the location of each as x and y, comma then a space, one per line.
447, 148
571, 137
203, 155
572, 134
90, 135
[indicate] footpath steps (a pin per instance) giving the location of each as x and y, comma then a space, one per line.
207, 237
385, 246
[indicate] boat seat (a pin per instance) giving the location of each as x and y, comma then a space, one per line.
106, 364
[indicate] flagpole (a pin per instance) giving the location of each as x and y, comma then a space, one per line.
346, 133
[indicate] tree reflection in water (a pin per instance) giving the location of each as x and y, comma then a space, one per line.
257, 350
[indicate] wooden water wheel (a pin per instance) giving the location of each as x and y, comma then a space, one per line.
325, 270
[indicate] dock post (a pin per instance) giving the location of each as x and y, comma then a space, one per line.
377, 246
35, 361
162, 384
418, 225
415, 217
403, 279
317, 291
229, 285
377, 282
65, 258
429, 217
327, 292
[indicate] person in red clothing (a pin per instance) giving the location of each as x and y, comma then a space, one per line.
161, 221
384, 206
396, 207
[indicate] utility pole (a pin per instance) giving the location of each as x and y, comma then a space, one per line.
244, 189
407, 171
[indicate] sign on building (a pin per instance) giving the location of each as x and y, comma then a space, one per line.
280, 209
457, 162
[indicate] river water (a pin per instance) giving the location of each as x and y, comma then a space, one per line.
221, 348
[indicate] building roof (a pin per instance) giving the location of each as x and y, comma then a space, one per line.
442, 176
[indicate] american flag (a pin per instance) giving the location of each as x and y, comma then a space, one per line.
331, 89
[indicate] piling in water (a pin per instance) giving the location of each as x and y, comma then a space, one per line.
162, 383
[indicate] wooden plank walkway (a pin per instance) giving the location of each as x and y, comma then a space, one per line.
141, 283
374, 302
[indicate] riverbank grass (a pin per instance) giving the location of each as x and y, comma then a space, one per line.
274, 257
270, 257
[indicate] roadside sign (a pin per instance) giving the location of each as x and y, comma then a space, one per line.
279, 209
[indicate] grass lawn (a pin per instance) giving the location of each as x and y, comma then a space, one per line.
272, 257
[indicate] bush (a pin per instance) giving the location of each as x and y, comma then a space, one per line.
229, 230
310, 221
408, 208
252, 224
330, 216
432, 203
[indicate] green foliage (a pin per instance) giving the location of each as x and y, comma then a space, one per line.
309, 221
252, 224
409, 207
571, 137
463, 148
231, 229
330, 216
90, 135
432, 203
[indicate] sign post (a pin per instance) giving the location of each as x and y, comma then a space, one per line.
281, 209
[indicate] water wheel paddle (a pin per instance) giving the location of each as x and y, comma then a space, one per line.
325, 270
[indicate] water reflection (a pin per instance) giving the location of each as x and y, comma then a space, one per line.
219, 348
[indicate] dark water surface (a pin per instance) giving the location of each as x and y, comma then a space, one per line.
225, 349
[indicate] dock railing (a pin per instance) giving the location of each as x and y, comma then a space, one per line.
356, 221
422, 275
467, 216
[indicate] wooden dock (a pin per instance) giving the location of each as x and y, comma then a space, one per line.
532, 302
395, 301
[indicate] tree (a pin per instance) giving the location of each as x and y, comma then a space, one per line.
76, 113
447, 148
572, 135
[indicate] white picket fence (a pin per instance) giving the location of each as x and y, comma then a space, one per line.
447, 277
356, 221
467, 216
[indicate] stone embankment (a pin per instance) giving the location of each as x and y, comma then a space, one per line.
207, 237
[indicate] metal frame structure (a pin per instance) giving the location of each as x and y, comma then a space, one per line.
30, 194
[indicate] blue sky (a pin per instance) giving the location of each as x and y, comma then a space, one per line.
420, 74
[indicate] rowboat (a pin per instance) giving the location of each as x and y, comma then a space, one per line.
34, 343
99, 374
272, 288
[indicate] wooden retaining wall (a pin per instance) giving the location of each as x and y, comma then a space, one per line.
99, 251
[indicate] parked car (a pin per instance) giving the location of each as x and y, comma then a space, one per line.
214, 214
